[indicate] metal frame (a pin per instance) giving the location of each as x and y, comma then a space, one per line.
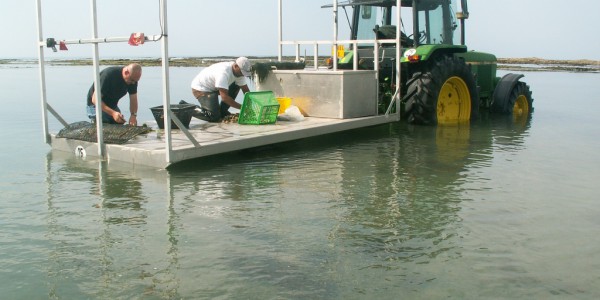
176, 155
163, 37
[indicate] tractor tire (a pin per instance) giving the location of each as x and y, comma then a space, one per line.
519, 103
444, 94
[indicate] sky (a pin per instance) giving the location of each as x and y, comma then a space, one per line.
201, 28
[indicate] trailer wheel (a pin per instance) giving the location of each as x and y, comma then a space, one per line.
444, 94
519, 103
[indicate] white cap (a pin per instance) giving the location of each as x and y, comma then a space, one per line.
245, 66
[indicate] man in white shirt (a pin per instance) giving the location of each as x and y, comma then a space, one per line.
223, 79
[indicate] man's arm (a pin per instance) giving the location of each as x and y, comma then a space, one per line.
227, 99
245, 88
133, 108
117, 116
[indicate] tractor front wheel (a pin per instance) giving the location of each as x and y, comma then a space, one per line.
444, 94
518, 104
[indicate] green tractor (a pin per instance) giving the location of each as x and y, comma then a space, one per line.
441, 81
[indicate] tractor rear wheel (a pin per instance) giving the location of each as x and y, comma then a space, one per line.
519, 103
444, 94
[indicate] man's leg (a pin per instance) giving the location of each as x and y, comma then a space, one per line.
91, 113
210, 103
106, 118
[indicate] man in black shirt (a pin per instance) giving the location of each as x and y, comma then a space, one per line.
115, 82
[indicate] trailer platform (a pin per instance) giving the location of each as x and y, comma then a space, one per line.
213, 138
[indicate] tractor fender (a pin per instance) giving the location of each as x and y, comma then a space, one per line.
505, 87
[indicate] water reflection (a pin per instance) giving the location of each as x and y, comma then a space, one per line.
300, 219
100, 222
118, 193
508, 133
367, 199
405, 211
400, 188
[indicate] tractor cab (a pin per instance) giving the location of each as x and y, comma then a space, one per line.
423, 22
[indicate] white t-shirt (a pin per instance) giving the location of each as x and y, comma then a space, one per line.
219, 75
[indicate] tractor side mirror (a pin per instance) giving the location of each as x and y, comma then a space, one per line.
366, 12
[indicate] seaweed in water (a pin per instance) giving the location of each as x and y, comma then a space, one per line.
112, 133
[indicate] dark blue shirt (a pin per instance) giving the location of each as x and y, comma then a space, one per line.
113, 87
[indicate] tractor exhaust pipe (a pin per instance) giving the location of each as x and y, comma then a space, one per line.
462, 16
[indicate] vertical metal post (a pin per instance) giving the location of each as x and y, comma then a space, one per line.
398, 55
165, 70
97, 84
316, 55
355, 56
42, 73
376, 57
279, 19
376, 66
335, 34
416, 35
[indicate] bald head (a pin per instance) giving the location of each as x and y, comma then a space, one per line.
132, 73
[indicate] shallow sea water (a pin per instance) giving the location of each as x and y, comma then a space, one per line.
494, 210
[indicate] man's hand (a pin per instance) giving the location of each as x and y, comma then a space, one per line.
118, 117
133, 120
227, 99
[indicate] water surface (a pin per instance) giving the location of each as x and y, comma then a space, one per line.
497, 209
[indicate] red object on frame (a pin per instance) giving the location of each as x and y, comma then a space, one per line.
62, 46
136, 39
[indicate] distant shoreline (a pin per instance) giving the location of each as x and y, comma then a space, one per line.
517, 64
540, 64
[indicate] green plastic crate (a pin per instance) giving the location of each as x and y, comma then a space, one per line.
259, 108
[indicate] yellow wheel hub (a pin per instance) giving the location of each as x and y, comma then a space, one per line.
521, 106
454, 102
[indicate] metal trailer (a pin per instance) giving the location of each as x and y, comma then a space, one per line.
347, 103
